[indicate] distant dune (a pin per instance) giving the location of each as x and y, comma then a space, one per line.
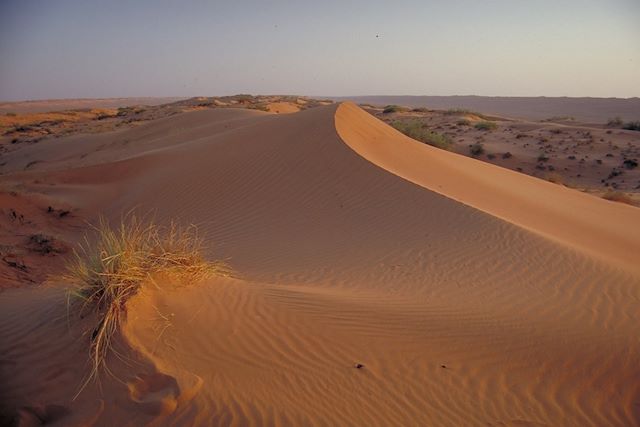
377, 282
595, 110
46, 105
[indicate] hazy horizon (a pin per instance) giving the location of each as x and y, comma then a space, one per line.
74, 49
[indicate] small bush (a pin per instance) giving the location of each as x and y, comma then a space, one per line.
393, 109
507, 155
542, 157
10, 114
618, 196
463, 122
486, 125
105, 275
630, 163
632, 125
421, 110
615, 122
476, 149
416, 130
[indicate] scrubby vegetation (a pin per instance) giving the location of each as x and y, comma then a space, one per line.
486, 125
104, 275
394, 109
615, 122
417, 130
457, 112
476, 149
632, 125
463, 122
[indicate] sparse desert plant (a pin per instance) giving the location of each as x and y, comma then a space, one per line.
558, 119
10, 114
632, 125
507, 155
463, 122
420, 110
415, 129
618, 196
104, 275
393, 109
630, 163
615, 122
542, 157
486, 125
476, 149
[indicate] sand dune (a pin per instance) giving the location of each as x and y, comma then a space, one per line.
470, 295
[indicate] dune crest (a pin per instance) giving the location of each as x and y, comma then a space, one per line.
601, 228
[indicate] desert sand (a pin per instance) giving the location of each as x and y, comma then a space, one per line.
376, 281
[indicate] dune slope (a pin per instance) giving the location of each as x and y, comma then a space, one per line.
350, 245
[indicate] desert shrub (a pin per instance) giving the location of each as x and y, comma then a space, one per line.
618, 196
614, 122
416, 130
507, 155
630, 163
420, 110
457, 112
476, 149
463, 122
558, 119
542, 157
10, 114
486, 125
104, 275
393, 109
632, 125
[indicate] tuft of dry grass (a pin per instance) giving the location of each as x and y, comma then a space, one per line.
109, 270
618, 196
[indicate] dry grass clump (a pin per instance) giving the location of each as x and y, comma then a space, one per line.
105, 273
618, 196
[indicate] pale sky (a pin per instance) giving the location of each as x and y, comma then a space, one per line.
89, 49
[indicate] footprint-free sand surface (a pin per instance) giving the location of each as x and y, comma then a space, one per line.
377, 281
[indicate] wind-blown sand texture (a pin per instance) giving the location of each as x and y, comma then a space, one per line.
378, 281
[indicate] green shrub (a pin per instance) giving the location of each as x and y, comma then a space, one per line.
416, 129
394, 109
486, 125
